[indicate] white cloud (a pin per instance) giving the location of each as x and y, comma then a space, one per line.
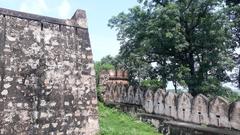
34, 6
64, 9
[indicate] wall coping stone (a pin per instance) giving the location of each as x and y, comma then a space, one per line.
73, 22
203, 128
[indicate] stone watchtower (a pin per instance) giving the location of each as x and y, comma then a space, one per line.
113, 76
47, 79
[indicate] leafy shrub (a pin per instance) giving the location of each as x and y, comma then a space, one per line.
99, 93
212, 88
99, 66
153, 84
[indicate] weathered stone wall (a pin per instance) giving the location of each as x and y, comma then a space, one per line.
113, 76
160, 105
47, 80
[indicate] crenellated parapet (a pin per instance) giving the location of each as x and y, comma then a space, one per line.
198, 110
113, 76
159, 102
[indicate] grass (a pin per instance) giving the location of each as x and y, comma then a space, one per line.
113, 122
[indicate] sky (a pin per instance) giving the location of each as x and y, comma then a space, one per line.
103, 38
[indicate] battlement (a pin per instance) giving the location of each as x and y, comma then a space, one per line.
119, 76
177, 109
78, 20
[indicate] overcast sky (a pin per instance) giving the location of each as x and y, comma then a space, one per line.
103, 39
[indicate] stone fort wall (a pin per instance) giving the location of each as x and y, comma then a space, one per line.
47, 79
111, 76
214, 117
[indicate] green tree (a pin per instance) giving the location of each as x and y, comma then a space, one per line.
189, 40
138, 69
234, 16
104, 64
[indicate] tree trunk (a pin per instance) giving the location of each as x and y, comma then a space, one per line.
175, 85
238, 78
192, 82
164, 75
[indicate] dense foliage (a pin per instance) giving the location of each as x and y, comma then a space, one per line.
104, 64
191, 43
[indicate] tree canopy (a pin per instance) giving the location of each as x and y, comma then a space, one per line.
184, 41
